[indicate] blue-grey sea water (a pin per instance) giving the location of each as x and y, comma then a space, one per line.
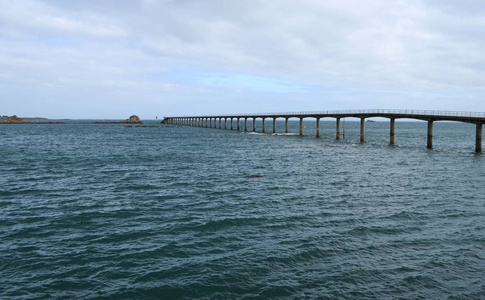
172, 212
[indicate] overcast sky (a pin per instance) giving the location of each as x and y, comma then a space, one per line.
115, 58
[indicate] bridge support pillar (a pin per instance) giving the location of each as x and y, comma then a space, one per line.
430, 135
220, 123
318, 128
362, 130
338, 129
478, 139
245, 124
274, 125
301, 126
264, 125
392, 133
254, 124
237, 126
286, 125
232, 124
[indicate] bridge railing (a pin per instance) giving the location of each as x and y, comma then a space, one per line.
359, 111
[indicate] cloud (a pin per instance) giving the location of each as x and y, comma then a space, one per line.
228, 56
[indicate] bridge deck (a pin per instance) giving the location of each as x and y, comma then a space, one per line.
425, 115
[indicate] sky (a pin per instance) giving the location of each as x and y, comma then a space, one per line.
115, 58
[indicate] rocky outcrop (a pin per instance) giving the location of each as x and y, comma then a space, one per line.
132, 120
13, 120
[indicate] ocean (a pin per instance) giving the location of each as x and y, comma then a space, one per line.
173, 212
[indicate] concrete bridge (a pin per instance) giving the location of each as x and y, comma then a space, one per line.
430, 116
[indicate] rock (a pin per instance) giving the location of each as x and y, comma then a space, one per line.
255, 176
132, 120
13, 120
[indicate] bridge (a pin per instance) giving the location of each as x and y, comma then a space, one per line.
429, 116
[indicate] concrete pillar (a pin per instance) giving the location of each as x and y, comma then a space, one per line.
220, 123
478, 139
286, 125
337, 137
225, 123
430, 135
232, 124
301, 126
237, 124
318, 128
362, 130
254, 124
206, 123
393, 132
210, 122
274, 125
264, 125
245, 124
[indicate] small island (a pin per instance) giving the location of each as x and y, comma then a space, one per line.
131, 120
13, 120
